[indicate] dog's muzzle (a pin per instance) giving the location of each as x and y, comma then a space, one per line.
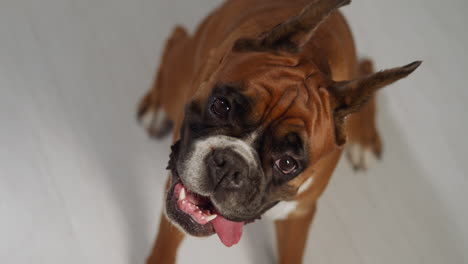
227, 169
218, 162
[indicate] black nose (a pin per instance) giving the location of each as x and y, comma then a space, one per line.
227, 169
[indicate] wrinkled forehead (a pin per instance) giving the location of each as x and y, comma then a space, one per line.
273, 82
280, 94
247, 65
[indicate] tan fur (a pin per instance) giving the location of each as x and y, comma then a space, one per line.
191, 65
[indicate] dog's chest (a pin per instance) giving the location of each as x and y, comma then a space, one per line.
284, 208
280, 211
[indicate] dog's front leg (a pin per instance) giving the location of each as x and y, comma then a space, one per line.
292, 232
291, 237
167, 242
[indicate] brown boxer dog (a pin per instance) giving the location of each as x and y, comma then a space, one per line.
263, 98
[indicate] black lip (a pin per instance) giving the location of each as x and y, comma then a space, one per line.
184, 220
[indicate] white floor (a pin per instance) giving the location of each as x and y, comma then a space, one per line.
81, 183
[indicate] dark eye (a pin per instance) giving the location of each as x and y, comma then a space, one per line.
286, 164
220, 107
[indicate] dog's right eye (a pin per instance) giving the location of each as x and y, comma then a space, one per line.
220, 107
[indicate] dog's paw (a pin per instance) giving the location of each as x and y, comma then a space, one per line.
153, 117
156, 122
360, 155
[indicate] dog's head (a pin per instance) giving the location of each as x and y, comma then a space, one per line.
264, 118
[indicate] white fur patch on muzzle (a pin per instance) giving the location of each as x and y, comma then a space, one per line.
194, 168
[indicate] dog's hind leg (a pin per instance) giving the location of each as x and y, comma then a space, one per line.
364, 139
154, 111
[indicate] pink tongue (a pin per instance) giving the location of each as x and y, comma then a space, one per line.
229, 232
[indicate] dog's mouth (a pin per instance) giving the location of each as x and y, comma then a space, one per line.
197, 215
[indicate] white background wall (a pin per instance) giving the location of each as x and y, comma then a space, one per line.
81, 183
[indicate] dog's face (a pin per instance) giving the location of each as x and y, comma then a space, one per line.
255, 130
246, 136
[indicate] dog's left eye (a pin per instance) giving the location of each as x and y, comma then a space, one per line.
286, 164
220, 107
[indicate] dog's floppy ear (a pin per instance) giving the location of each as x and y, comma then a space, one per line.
291, 35
350, 96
